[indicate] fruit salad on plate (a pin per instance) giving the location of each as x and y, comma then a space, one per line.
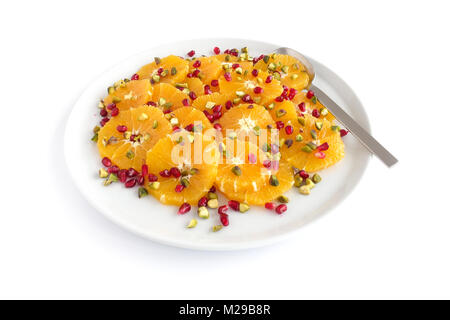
222, 133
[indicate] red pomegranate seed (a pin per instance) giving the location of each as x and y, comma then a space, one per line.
166, 111
203, 202
227, 51
152, 177
113, 169
216, 50
212, 189
323, 147
111, 106
160, 70
189, 75
207, 89
320, 155
224, 219
302, 106
233, 204
191, 53
184, 208
269, 205
217, 108
343, 132
281, 208
132, 138
228, 105
196, 72
106, 162
130, 183
196, 64
289, 129
235, 65
165, 173
217, 126
258, 90
176, 129
179, 188
210, 117
189, 127
267, 163
315, 113
115, 112
122, 128
104, 121
234, 52
103, 113
280, 125
135, 77
132, 173
217, 115
122, 174
222, 209
310, 94
185, 102
151, 103
227, 76
214, 83
174, 171
292, 93
303, 174
246, 98
255, 72
279, 99
269, 79
192, 95
140, 180
144, 170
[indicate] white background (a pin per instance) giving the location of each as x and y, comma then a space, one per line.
389, 239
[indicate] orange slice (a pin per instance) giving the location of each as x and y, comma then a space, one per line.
129, 94
167, 97
207, 102
209, 68
174, 69
192, 119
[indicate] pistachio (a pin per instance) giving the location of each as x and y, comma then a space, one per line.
243, 207
143, 116
266, 147
227, 57
116, 99
309, 183
240, 94
273, 180
212, 195
295, 66
167, 105
192, 223
314, 99
96, 129
301, 120
210, 105
236, 170
157, 60
276, 75
111, 90
266, 59
154, 185
271, 106
100, 105
236, 101
238, 70
173, 71
111, 178
294, 76
225, 66
95, 137
298, 138
193, 171
288, 142
319, 125
298, 181
216, 228
142, 192
285, 69
244, 50
306, 149
283, 199
313, 134
164, 73
184, 182
156, 78
155, 124
272, 66
213, 203
174, 121
304, 190
102, 173
257, 130
203, 212
245, 73
130, 154
312, 145
280, 113
181, 85
323, 112
335, 128
316, 178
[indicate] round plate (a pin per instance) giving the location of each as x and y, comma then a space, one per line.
160, 223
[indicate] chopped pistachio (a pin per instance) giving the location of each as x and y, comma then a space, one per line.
156, 78
217, 228
280, 113
227, 57
210, 105
316, 178
173, 71
244, 50
191, 137
116, 99
174, 121
298, 181
323, 112
301, 120
266, 59
192, 223
240, 93
306, 149
238, 70
100, 105
213, 203
298, 138
102, 173
181, 85
143, 116
111, 90
257, 130
154, 185
203, 212
95, 137
312, 145
162, 101
245, 73
157, 60
313, 134
272, 66
212, 195
164, 73
266, 147
314, 99
184, 182
309, 183
335, 128
193, 171
96, 129
285, 69
319, 125
304, 190
225, 67
243, 207
276, 75
295, 66
155, 124
274, 181
283, 199
111, 178
294, 76
271, 106
236, 170
142, 192
236, 100
130, 154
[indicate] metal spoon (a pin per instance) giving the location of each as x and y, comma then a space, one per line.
359, 132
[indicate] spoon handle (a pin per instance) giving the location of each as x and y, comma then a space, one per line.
359, 132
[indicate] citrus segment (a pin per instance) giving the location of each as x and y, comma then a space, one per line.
129, 94
209, 68
167, 97
170, 69
190, 118
207, 102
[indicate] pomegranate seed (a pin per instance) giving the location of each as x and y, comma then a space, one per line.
315, 113
132, 138
323, 147
140, 180
103, 113
292, 93
269, 79
267, 163
303, 174
132, 173
210, 117
216, 50
343, 132
289, 129
189, 127
235, 65
113, 169
255, 72
319, 155
246, 98
224, 219
191, 53
234, 52
130, 183
189, 75
174, 171
258, 90
217, 126
151, 103
185, 102
111, 106
176, 129
207, 89
192, 95
114, 112
160, 70
222, 209
144, 170
165, 173
281, 208
228, 105
310, 94
217, 115
166, 111
196, 72
179, 188
280, 125
227, 76
152, 177
269, 205
302, 106
122, 128
196, 64
104, 121
217, 108
184, 208
106, 162
234, 205
279, 99
227, 51
212, 189
214, 83
135, 77
203, 202
122, 175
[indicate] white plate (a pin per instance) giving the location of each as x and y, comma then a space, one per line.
149, 218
